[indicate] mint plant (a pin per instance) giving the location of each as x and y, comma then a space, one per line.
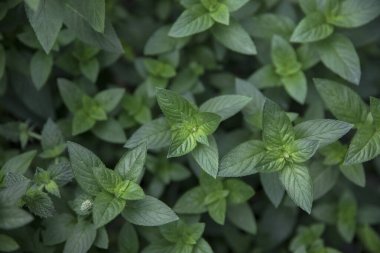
190, 126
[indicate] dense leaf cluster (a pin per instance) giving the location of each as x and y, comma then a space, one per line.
189, 126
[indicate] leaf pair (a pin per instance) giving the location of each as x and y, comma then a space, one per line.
214, 196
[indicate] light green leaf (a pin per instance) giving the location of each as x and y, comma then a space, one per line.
51, 136
226, 105
46, 22
343, 102
326, 131
242, 216
110, 131
217, 210
239, 191
234, 5
296, 86
221, 14
297, 182
93, 11
265, 77
14, 217
369, 237
148, 212
194, 20
339, 55
346, 222
284, 57
353, 13
90, 69
129, 190
39, 203
355, 173
183, 142
8, 244
40, 68
277, 128
207, 156
272, 187
82, 122
20, 163
106, 178
82, 162
364, 146
312, 28
160, 42
156, 134
106, 208
242, 160
175, 107
202, 246
191, 202
302, 150
81, 238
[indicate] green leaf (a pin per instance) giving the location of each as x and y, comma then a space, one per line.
194, 20
183, 142
343, 102
302, 150
207, 156
354, 13
106, 208
93, 11
175, 107
272, 187
14, 217
128, 240
71, 94
110, 98
339, 55
83, 161
148, 212
239, 192
265, 77
242, 216
131, 165
308, 6
39, 203
226, 105
284, 57
312, 28
296, 86
234, 5
191, 202
20, 163
297, 182
364, 146
221, 14
8, 244
129, 190
40, 68
234, 37
355, 173
267, 25
90, 69
346, 221
156, 134
369, 238
101, 240
51, 137
46, 22
277, 128
81, 238
160, 42
82, 122
202, 246
375, 111
242, 160
110, 131
57, 229
217, 210
106, 178
326, 131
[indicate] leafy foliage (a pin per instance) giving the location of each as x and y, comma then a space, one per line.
189, 126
